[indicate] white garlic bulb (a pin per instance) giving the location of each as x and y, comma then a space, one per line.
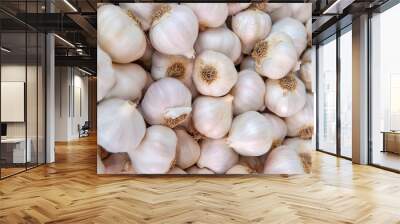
306, 75
174, 30
248, 63
307, 55
119, 35
250, 134
239, 169
302, 123
279, 127
275, 56
304, 149
212, 116
214, 73
187, 150
295, 30
209, 14
131, 79
285, 97
197, 170
117, 163
143, 12
116, 115
301, 11
167, 101
156, 153
176, 170
283, 160
105, 74
234, 8
251, 26
279, 11
248, 93
147, 56
219, 39
217, 156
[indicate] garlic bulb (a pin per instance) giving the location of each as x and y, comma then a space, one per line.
217, 156
285, 97
197, 170
187, 150
117, 163
248, 63
119, 35
143, 12
105, 74
131, 79
176, 170
214, 73
174, 30
220, 39
156, 153
251, 26
279, 127
212, 116
304, 149
275, 56
301, 11
302, 123
239, 169
250, 134
209, 14
117, 115
309, 32
147, 56
248, 93
234, 8
306, 75
167, 101
279, 11
307, 55
283, 160
295, 30
255, 163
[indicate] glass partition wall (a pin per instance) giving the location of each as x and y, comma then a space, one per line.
22, 88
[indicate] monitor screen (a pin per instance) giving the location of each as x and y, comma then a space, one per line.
3, 129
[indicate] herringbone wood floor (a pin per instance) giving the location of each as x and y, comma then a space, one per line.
69, 191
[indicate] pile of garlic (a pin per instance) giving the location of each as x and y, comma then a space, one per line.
204, 88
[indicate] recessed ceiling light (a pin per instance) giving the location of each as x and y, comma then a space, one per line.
5, 50
70, 5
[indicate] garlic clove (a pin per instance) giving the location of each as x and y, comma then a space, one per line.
240, 169
209, 14
212, 116
176, 170
197, 170
187, 150
105, 74
248, 63
301, 124
234, 8
283, 160
295, 30
214, 73
143, 12
174, 30
248, 93
279, 127
285, 97
119, 35
116, 115
217, 156
167, 101
131, 79
250, 134
304, 149
156, 153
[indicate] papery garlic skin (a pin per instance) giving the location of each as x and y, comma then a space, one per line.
117, 163
197, 170
105, 74
116, 115
143, 12
250, 134
187, 150
309, 32
212, 116
283, 160
174, 30
248, 93
234, 8
156, 153
119, 35
301, 11
251, 26
131, 79
295, 30
304, 149
279, 127
146, 59
255, 163
285, 97
221, 40
248, 63
306, 75
167, 102
275, 56
239, 169
176, 170
301, 124
217, 156
214, 73
209, 14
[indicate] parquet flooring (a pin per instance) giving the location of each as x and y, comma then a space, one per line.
69, 191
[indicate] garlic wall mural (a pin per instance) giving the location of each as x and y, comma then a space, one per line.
204, 88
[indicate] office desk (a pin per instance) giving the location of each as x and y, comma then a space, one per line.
18, 149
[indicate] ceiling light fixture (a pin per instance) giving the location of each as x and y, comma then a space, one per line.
70, 5
5, 50
84, 71
64, 40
